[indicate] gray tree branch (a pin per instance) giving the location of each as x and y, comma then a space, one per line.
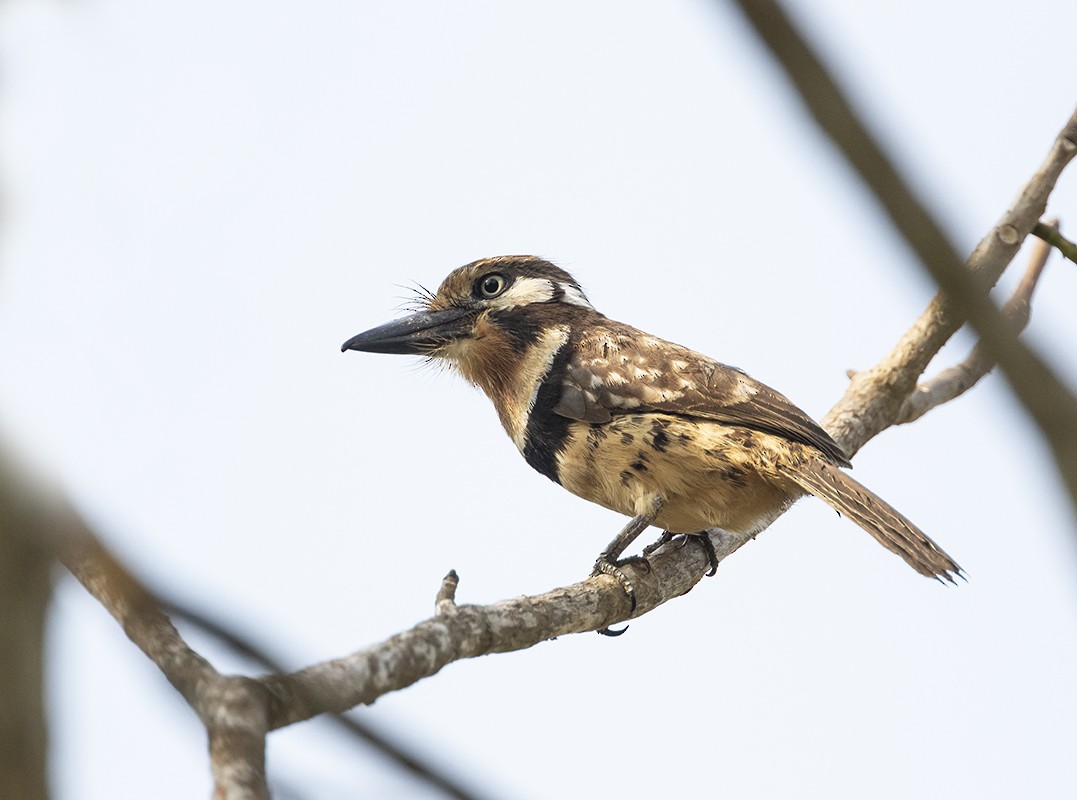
359, 730
36, 515
964, 286
954, 381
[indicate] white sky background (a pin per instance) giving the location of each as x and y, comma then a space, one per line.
203, 200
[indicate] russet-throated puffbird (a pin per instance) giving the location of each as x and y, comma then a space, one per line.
632, 422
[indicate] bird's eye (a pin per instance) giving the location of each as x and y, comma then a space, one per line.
492, 285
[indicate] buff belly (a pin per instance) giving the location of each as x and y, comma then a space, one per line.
709, 475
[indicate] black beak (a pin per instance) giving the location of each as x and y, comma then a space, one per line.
414, 334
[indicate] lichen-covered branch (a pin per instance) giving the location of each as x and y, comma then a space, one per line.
466, 631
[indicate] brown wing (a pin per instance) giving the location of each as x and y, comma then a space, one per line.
616, 369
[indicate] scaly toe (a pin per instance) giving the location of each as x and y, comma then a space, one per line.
605, 567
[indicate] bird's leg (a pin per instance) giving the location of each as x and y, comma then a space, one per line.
608, 562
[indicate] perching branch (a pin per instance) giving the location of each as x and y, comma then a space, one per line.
466, 631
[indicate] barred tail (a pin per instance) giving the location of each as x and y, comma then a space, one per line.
890, 529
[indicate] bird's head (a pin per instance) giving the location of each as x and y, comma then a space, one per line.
494, 307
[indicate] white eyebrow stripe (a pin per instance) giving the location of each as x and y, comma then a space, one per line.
574, 296
525, 291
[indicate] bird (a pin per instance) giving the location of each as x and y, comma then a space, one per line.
645, 427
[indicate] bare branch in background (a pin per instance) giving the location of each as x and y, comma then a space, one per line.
25, 589
964, 286
37, 514
230, 707
955, 381
38, 525
358, 730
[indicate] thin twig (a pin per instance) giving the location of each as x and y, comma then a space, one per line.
446, 599
955, 381
1053, 237
1050, 404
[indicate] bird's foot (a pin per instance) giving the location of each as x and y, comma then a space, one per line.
606, 566
708, 547
702, 537
608, 562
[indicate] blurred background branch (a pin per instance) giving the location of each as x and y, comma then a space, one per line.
1047, 400
958, 379
359, 731
25, 588
37, 528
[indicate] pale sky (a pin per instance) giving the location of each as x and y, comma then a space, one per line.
203, 200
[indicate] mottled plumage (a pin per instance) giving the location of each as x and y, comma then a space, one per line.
630, 421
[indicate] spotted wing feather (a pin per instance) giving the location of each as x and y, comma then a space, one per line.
617, 369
